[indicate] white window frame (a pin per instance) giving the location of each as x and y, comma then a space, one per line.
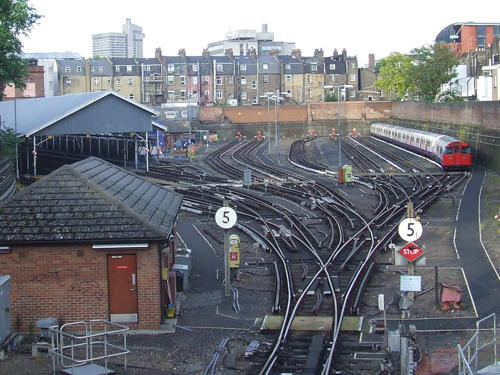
243, 67
220, 94
101, 69
118, 82
182, 80
314, 67
353, 77
265, 66
67, 69
243, 95
67, 82
309, 79
131, 96
254, 84
243, 80
170, 80
194, 67
78, 69
255, 100
92, 69
194, 80
265, 78
332, 66
309, 93
147, 97
288, 78
170, 68
183, 95
117, 68
131, 82
148, 68
219, 68
288, 66
96, 81
218, 80
352, 93
129, 68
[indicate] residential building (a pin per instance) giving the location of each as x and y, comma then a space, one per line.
153, 81
34, 83
128, 43
72, 76
269, 75
465, 37
367, 77
247, 71
177, 71
242, 41
292, 76
314, 77
200, 80
101, 75
224, 75
341, 70
48, 60
127, 78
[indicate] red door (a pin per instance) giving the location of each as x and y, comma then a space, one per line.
122, 285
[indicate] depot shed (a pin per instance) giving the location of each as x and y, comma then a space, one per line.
88, 241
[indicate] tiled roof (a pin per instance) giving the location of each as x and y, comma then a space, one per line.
91, 201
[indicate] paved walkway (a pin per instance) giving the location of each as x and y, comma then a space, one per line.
481, 277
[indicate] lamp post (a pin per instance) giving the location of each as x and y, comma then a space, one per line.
344, 87
276, 97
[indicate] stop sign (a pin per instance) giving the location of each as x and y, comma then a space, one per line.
411, 251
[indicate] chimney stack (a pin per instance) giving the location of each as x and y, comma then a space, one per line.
297, 53
253, 53
182, 52
335, 52
371, 60
229, 53
318, 53
344, 53
158, 53
205, 53
264, 27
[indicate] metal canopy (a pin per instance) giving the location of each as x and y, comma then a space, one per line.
88, 113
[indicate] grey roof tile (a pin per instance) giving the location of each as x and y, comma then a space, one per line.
77, 203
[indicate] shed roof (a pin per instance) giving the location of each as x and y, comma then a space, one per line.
90, 201
31, 116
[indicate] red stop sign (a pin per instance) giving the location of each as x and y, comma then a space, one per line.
411, 251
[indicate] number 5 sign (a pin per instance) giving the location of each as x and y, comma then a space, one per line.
225, 217
410, 229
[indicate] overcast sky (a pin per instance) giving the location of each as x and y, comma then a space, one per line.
362, 27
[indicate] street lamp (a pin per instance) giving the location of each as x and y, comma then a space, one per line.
344, 87
275, 95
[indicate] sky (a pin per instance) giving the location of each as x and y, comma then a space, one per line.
361, 27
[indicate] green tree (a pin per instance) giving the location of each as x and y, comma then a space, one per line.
432, 67
394, 76
17, 18
8, 142
331, 98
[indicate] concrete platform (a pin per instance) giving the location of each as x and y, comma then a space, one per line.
92, 369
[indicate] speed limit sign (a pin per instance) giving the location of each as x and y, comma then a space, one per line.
225, 217
410, 229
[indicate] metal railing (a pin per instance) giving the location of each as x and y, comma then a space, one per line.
89, 342
468, 355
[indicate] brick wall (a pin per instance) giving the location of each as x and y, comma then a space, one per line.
261, 114
482, 114
350, 110
70, 283
211, 114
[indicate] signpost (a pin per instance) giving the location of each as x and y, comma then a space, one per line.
410, 229
411, 251
226, 217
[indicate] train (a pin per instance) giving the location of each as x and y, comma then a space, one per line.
449, 152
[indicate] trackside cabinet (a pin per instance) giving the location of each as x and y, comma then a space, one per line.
4, 307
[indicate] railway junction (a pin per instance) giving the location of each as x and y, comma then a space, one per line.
316, 283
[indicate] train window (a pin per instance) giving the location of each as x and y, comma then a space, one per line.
456, 149
465, 150
448, 150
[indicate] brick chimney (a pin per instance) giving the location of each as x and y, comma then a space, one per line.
253, 53
229, 53
274, 52
335, 52
318, 53
371, 60
205, 53
297, 53
158, 53
344, 53
182, 52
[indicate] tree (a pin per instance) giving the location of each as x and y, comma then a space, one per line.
432, 67
331, 98
8, 141
17, 18
394, 75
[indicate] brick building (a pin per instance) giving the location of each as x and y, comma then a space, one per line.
88, 241
34, 83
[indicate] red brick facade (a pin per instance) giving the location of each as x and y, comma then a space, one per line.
69, 282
